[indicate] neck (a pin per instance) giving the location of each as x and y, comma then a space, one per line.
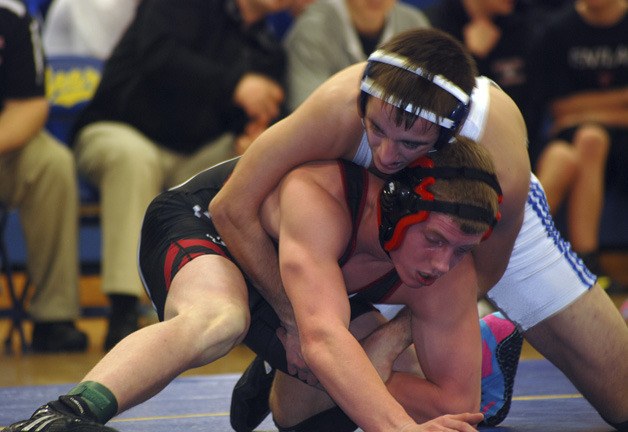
366, 22
603, 13
476, 10
367, 26
369, 226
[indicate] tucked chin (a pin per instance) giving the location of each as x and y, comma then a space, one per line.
417, 281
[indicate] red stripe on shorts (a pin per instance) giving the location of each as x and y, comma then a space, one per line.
180, 247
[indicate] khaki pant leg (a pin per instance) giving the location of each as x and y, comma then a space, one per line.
125, 166
40, 181
219, 150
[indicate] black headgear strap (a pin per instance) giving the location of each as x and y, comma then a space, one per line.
401, 205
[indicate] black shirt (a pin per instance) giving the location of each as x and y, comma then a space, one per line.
173, 74
21, 56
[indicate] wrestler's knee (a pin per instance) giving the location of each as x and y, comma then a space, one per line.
230, 325
214, 331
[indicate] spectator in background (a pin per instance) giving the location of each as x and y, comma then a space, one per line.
86, 27
579, 71
37, 175
496, 33
333, 34
189, 85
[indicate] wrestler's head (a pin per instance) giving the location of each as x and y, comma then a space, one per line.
419, 83
435, 211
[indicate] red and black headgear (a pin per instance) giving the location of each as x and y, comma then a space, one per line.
406, 200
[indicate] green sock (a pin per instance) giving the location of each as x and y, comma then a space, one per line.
101, 402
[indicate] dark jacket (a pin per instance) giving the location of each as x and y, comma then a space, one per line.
173, 74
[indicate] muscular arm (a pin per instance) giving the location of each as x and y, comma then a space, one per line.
311, 240
446, 339
324, 127
21, 120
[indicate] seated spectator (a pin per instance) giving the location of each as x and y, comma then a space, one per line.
189, 85
496, 33
37, 176
333, 34
86, 27
581, 78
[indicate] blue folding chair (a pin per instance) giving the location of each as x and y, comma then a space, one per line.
70, 84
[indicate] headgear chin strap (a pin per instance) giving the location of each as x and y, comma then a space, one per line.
401, 206
449, 124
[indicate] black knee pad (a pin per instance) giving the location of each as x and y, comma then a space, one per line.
360, 307
332, 420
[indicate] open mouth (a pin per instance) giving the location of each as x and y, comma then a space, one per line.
426, 279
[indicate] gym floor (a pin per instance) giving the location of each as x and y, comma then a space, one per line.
199, 400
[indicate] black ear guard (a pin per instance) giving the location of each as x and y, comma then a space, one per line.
458, 115
449, 125
405, 200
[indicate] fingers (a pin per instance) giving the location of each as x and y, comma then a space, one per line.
462, 422
453, 423
472, 418
260, 97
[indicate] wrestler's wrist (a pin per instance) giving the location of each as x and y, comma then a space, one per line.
407, 426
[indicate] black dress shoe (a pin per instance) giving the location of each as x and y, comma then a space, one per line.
50, 337
120, 326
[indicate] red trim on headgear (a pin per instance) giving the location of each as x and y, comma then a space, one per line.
423, 161
401, 227
405, 222
498, 217
421, 189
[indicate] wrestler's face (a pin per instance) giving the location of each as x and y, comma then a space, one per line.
394, 146
430, 249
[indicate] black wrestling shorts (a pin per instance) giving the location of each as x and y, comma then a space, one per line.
177, 229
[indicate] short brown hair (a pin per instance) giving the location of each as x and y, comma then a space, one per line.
437, 53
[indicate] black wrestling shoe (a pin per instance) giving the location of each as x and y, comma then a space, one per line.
249, 400
51, 337
67, 414
501, 350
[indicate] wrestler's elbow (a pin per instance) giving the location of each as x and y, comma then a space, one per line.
316, 342
461, 403
456, 403
449, 399
228, 215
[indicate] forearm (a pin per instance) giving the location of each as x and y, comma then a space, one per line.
257, 256
20, 121
385, 344
424, 400
611, 117
590, 101
350, 379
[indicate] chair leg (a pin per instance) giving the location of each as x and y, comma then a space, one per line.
18, 316
18, 312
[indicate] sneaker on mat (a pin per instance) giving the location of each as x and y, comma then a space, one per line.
501, 349
59, 416
249, 400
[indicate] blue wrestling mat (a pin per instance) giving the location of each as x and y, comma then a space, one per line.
545, 401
